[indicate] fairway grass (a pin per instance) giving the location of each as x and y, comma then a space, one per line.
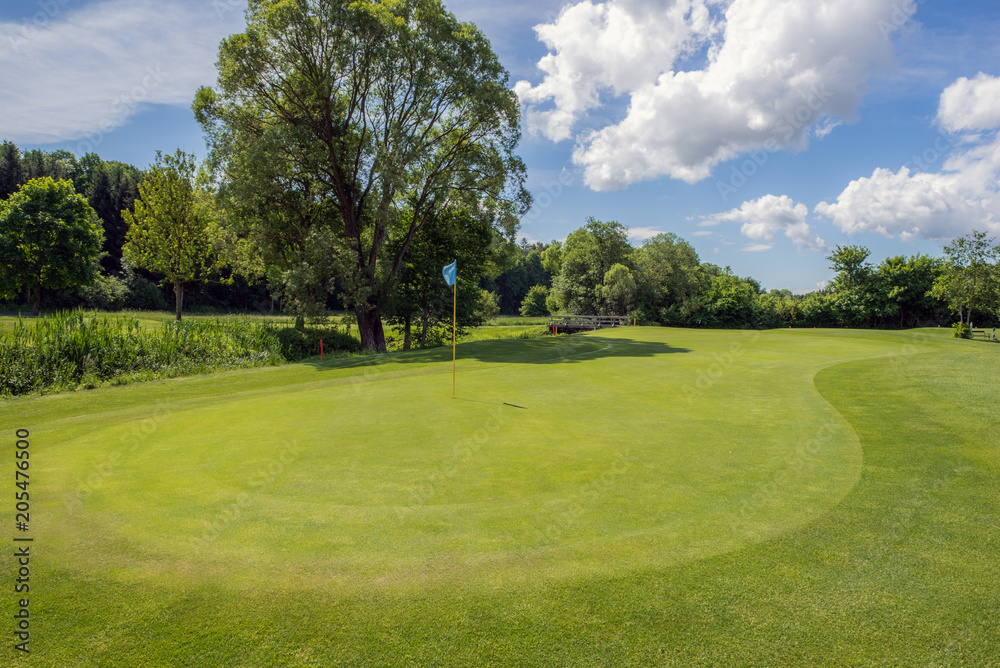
629, 497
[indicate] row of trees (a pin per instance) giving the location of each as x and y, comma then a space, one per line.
176, 229
109, 187
355, 148
596, 271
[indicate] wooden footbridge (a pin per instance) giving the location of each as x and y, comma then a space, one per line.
581, 323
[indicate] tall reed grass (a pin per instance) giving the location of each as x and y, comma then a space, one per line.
73, 349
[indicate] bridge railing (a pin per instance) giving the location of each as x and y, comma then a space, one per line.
578, 322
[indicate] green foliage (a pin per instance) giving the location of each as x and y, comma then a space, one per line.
969, 279
49, 239
421, 297
668, 274
366, 118
143, 294
552, 258
11, 172
298, 344
489, 305
107, 293
169, 231
902, 289
616, 294
587, 256
64, 350
110, 187
851, 287
961, 330
131, 291
850, 263
534, 304
729, 302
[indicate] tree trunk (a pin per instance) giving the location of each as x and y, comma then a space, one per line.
370, 329
36, 307
178, 298
407, 326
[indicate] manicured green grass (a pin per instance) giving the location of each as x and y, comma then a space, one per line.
633, 497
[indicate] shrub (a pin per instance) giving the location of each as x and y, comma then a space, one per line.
961, 330
489, 305
107, 293
534, 304
143, 294
298, 344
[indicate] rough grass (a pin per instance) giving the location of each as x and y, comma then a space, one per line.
76, 349
85, 349
638, 497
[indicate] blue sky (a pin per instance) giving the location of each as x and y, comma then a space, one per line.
765, 132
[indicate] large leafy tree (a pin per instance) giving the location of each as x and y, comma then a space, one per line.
534, 304
900, 289
377, 114
728, 301
421, 296
668, 274
968, 277
50, 238
109, 187
587, 256
616, 294
169, 231
852, 297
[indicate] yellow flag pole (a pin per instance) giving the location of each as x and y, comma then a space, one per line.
454, 318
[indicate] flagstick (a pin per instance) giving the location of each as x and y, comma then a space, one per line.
454, 317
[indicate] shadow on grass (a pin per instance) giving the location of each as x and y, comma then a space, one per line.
555, 350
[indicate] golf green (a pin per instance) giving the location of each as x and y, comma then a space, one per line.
362, 492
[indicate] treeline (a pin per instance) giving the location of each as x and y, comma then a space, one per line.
111, 188
596, 271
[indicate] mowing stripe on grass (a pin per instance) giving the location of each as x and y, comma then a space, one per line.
664, 497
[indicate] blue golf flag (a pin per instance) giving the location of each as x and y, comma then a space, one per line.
450, 273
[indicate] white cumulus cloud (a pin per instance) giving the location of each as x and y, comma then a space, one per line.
963, 195
762, 218
643, 233
776, 72
971, 104
614, 46
70, 73
756, 248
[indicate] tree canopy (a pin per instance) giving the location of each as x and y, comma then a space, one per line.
50, 238
969, 277
587, 256
168, 232
421, 295
353, 123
